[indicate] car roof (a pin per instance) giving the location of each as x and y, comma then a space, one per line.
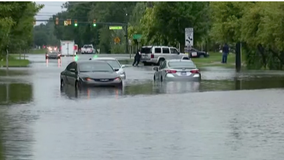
179, 60
104, 58
85, 61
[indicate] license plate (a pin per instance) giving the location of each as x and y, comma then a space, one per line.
104, 80
183, 73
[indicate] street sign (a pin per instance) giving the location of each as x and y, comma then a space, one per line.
137, 36
116, 39
188, 37
115, 27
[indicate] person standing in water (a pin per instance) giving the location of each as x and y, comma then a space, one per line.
225, 51
137, 58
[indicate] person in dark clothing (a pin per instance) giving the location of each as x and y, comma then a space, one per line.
225, 51
137, 58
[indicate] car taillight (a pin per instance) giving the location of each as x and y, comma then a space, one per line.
152, 55
117, 79
171, 71
194, 71
88, 79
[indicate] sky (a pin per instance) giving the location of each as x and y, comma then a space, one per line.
49, 9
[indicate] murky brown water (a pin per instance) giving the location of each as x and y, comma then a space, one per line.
144, 120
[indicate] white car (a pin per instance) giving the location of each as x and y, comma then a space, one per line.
87, 49
115, 65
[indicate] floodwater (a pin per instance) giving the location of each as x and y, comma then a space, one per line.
143, 120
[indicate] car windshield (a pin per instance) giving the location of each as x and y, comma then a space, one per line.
114, 64
182, 64
95, 67
87, 46
54, 53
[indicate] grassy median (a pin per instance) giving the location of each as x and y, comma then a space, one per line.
37, 51
215, 59
14, 62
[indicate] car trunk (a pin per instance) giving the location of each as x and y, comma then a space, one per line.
146, 52
183, 72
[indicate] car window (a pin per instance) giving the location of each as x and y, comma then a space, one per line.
193, 50
88, 47
174, 51
166, 50
146, 50
95, 67
71, 65
158, 50
182, 64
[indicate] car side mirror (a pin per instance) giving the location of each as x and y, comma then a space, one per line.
122, 66
155, 68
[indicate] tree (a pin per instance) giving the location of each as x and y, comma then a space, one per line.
16, 29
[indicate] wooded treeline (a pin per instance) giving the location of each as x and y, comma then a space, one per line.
257, 25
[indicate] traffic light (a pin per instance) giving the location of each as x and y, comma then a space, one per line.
75, 23
94, 23
56, 21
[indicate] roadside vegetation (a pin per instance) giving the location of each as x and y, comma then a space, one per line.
257, 25
16, 30
15, 62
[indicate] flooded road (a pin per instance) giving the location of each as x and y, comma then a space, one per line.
143, 120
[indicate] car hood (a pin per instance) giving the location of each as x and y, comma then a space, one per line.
99, 75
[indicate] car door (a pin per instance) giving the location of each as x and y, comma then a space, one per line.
175, 53
157, 53
73, 74
70, 72
66, 73
166, 52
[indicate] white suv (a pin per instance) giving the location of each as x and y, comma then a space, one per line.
157, 54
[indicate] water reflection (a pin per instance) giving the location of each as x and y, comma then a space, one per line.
13, 72
15, 93
59, 62
90, 93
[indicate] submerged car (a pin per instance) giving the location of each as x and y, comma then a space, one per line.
177, 70
89, 74
115, 65
53, 55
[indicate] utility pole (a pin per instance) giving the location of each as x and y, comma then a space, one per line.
7, 58
126, 32
238, 60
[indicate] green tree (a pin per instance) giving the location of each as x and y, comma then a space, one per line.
16, 29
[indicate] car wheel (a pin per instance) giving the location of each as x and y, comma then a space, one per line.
62, 84
77, 85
